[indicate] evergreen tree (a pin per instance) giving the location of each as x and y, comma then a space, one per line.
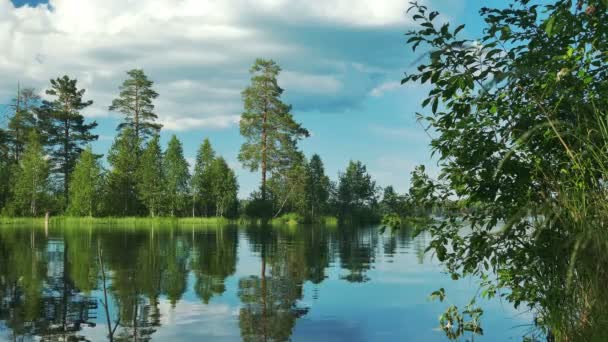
318, 187
356, 193
23, 120
85, 185
177, 176
266, 124
5, 167
224, 186
31, 178
150, 177
135, 101
66, 131
201, 185
121, 186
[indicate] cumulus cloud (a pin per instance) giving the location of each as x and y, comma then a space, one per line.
198, 51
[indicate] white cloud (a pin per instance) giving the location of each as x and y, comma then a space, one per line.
384, 88
187, 123
311, 84
198, 51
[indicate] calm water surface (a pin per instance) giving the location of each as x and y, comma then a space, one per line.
229, 284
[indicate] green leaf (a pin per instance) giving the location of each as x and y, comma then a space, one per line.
549, 25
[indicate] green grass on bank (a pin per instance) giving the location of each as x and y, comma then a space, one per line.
117, 221
54, 221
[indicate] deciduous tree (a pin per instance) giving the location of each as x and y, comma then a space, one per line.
224, 186
86, 185
31, 178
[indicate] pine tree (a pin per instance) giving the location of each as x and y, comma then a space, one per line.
121, 185
135, 101
318, 187
224, 186
270, 132
23, 120
86, 185
201, 185
356, 192
150, 177
177, 176
65, 128
31, 177
5, 168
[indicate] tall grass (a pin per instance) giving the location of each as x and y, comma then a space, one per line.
575, 225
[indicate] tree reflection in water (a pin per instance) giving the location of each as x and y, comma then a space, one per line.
53, 287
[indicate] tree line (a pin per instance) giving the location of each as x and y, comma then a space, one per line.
47, 163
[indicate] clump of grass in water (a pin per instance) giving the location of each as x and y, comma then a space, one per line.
577, 297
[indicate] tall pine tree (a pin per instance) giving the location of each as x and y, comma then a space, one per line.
31, 185
86, 185
266, 124
65, 128
135, 101
201, 184
177, 176
150, 177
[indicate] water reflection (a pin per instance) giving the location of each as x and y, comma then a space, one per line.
53, 287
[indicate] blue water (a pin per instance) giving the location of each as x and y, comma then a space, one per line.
232, 284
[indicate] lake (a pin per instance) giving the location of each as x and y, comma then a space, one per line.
229, 284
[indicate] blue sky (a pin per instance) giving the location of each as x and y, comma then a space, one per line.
342, 62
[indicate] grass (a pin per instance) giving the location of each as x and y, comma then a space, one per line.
154, 222
118, 221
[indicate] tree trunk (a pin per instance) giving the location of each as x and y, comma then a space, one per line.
66, 159
264, 154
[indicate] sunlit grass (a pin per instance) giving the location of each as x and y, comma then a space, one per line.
154, 222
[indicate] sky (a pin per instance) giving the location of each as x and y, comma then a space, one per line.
342, 62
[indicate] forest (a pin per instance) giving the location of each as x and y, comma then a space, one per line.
47, 164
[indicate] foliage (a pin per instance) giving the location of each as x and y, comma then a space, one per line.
151, 177
86, 185
31, 185
121, 194
288, 188
176, 175
455, 323
267, 125
318, 188
521, 134
258, 208
224, 188
23, 121
201, 179
5, 169
135, 102
356, 194
64, 127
